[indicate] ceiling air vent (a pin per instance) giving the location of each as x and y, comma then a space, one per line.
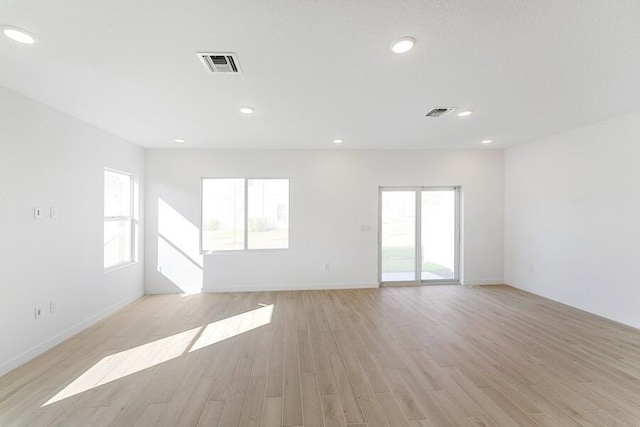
220, 62
439, 112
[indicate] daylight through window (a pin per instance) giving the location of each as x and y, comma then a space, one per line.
240, 214
118, 219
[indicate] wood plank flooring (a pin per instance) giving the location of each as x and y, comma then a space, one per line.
413, 357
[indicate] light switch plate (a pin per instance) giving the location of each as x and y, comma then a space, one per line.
54, 213
37, 213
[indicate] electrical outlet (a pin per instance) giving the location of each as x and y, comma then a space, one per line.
54, 213
53, 307
38, 313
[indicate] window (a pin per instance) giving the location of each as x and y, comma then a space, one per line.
240, 214
118, 219
223, 214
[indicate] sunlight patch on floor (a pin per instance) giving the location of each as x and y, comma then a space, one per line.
128, 362
232, 326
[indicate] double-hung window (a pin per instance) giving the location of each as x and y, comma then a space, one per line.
119, 224
244, 213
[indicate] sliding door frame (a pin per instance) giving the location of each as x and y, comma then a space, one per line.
418, 236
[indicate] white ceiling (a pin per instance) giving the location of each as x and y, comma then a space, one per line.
319, 70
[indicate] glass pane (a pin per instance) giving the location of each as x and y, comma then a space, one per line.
398, 236
268, 213
117, 194
438, 235
117, 243
222, 214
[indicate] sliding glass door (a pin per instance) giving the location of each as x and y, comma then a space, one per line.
419, 238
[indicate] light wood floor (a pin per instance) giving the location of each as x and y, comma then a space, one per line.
414, 356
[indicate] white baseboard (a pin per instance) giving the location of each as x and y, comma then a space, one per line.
483, 282
302, 287
267, 288
628, 320
66, 334
155, 291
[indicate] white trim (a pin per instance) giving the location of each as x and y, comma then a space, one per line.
417, 238
631, 321
37, 350
273, 288
480, 282
307, 287
119, 266
424, 284
246, 214
427, 283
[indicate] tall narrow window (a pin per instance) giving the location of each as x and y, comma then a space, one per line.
118, 219
240, 214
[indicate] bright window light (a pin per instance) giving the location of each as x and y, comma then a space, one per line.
268, 213
119, 224
240, 214
223, 214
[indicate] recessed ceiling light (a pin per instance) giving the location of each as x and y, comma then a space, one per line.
179, 140
465, 113
486, 141
338, 141
402, 45
246, 110
19, 35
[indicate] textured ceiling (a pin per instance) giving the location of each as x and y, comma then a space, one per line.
319, 70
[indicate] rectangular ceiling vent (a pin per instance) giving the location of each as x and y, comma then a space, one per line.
439, 112
215, 63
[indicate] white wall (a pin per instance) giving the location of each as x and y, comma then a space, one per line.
51, 159
572, 224
333, 193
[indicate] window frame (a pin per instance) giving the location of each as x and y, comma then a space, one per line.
245, 247
131, 218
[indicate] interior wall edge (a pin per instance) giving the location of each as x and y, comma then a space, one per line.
38, 349
630, 321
